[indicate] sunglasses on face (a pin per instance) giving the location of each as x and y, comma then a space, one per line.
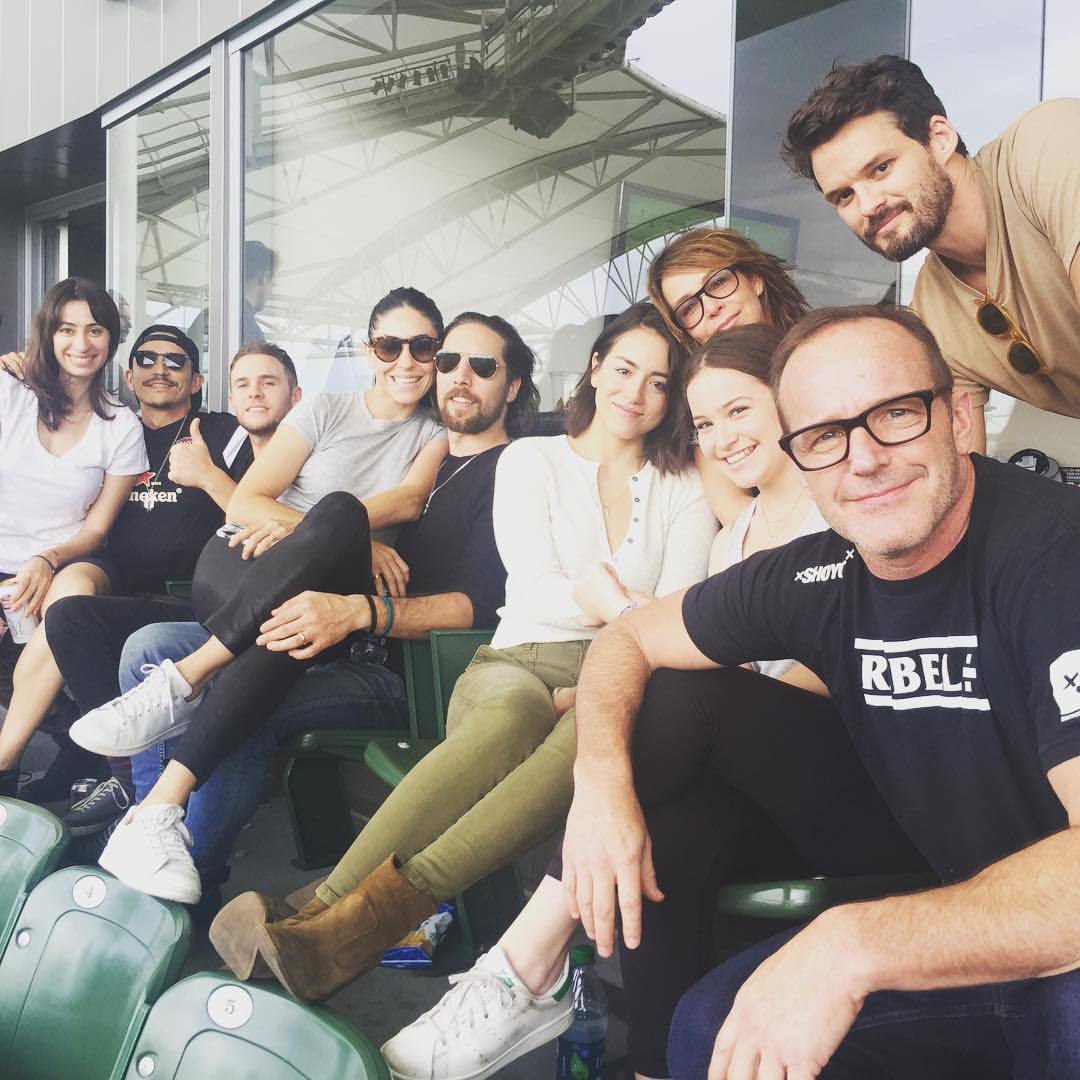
421, 346
995, 321
484, 366
719, 286
147, 358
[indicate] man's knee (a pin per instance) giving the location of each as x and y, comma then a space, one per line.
69, 619
697, 1019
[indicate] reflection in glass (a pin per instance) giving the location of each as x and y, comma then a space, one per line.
506, 157
159, 178
782, 51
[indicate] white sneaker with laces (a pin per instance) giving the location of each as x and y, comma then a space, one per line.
155, 710
486, 1020
148, 850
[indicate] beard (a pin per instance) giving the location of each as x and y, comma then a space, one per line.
930, 208
472, 424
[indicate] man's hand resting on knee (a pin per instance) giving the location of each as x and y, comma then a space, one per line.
607, 857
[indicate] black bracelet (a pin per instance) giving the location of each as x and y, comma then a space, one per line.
52, 566
374, 617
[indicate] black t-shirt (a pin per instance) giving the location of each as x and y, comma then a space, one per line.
960, 687
451, 547
162, 528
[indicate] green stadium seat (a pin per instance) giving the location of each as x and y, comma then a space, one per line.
799, 900
32, 842
209, 1026
86, 959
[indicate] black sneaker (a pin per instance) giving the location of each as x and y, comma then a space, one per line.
103, 806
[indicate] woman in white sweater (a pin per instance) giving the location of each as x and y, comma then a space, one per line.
589, 525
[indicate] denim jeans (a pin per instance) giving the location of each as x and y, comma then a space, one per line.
1023, 1030
339, 694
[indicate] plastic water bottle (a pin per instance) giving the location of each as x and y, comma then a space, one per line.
581, 1046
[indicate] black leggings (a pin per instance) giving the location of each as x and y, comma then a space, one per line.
329, 551
741, 777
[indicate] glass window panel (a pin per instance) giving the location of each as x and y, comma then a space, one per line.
159, 180
522, 158
783, 49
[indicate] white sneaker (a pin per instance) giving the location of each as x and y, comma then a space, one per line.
148, 850
154, 710
486, 1020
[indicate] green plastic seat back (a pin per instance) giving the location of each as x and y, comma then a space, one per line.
31, 843
451, 653
419, 690
85, 961
805, 898
209, 1026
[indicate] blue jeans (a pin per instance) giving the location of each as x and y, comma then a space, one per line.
1023, 1030
339, 694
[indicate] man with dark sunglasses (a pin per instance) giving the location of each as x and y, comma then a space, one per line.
449, 575
939, 611
1000, 288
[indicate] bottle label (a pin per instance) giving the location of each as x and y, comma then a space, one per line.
580, 1061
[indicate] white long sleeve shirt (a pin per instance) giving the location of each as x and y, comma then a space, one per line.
549, 526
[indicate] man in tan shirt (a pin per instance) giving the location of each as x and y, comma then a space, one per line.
1000, 288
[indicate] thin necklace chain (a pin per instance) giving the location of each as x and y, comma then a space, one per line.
461, 468
156, 474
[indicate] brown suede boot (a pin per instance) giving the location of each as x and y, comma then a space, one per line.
232, 932
312, 959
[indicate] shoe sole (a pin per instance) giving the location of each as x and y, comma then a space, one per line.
533, 1041
269, 954
89, 741
241, 957
93, 830
178, 896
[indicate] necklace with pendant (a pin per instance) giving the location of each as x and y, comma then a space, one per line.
155, 474
461, 468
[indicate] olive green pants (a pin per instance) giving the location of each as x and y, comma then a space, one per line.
498, 785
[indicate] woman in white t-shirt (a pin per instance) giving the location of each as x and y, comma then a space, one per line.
69, 455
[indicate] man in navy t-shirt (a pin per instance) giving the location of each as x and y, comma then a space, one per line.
940, 612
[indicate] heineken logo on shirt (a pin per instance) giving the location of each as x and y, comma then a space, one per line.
1065, 682
922, 673
147, 491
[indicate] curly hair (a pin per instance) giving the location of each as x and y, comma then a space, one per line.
708, 250
884, 84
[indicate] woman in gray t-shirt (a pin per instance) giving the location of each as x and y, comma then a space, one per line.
338, 470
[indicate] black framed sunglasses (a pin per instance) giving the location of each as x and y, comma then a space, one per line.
484, 366
892, 422
994, 319
147, 358
421, 346
718, 286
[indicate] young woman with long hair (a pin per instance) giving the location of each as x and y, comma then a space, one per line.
69, 455
588, 525
341, 471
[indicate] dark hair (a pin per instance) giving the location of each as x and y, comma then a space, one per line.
407, 296
709, 250
258, 260
267, 348
41, 372
667, 446
821, 319
520, 364
885, 84
748, 349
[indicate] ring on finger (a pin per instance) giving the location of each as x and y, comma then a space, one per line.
303, 637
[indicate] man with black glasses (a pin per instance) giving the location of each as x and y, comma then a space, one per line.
939, 612
1001, 281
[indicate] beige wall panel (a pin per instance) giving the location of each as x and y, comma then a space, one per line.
14, 71
79, 30
181, 28
46, 65
145, 38
216, 16
115, 56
